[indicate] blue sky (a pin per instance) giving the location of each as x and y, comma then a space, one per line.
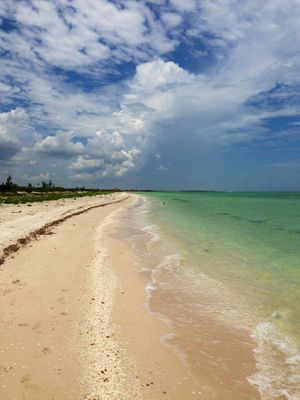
165, 94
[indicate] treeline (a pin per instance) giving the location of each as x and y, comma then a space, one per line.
45, 186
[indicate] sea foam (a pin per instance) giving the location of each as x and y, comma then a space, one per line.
278, 363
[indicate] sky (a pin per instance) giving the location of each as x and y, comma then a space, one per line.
161, 94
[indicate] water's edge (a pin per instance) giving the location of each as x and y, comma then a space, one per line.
276, 355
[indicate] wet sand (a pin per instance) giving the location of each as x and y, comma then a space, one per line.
217, 357
158, 370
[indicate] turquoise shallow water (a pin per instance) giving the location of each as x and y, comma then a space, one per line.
255, 236
249, 243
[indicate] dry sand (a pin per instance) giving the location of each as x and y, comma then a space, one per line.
20, 223
56, 299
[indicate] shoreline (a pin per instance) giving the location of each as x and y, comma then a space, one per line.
66, 330
158, 370
197, 377
74, 323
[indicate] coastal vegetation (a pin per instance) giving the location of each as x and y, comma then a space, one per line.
12, 193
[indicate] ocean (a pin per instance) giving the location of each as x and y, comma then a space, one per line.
224, 274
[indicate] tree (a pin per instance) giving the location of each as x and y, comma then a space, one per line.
47, 185
9, 182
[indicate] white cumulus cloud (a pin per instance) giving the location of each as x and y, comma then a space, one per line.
60, 145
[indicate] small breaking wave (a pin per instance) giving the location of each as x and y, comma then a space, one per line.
152, 231
278, 363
